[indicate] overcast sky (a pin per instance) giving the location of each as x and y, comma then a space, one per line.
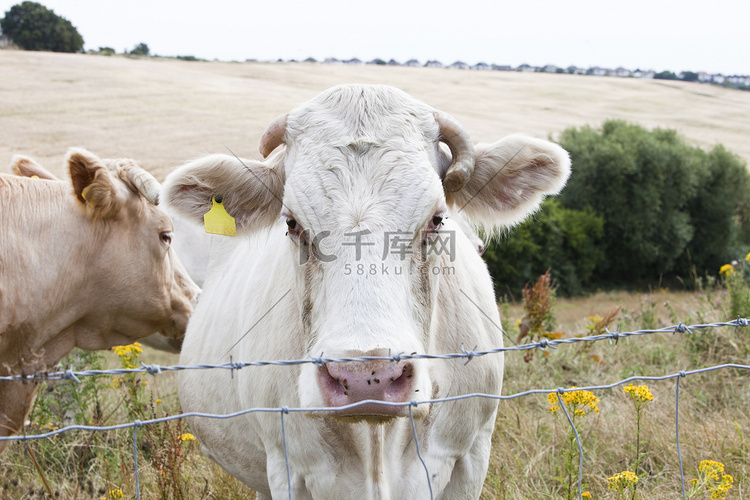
675, 35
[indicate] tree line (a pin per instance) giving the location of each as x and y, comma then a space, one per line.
640, 207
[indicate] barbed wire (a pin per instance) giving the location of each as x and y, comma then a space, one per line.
468, 355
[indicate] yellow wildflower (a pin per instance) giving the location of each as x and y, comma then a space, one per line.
713, 479
157, 400
621, 481
115, 494
639, 393
586, 494
575, 401
747, 257
128, 354
711, 469
187, 437
726, 269
594, 320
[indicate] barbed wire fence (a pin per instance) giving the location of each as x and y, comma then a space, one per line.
466, 355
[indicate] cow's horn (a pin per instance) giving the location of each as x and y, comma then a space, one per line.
274, 136
462, 150
145, 184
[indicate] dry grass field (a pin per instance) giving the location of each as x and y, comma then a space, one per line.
163, 112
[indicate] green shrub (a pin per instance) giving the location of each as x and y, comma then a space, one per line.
563, 239
669, 209
140, 50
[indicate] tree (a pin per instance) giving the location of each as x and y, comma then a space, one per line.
557, 238
32, 26
667, 206
665, 75
140, 50
689, 76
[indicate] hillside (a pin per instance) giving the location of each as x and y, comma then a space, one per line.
164, 111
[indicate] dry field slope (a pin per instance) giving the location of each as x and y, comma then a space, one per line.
163, 112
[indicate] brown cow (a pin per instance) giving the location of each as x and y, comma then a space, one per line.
88, 266
194, 246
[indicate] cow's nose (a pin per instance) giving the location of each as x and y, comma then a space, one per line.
354, 381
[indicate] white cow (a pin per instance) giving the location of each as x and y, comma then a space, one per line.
343, 251
85, 264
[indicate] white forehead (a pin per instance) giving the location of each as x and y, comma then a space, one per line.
357, 153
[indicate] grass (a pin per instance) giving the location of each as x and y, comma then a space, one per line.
529, 444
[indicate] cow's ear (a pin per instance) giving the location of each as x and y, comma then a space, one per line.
251, 191
26, 167
511, 178
93, 185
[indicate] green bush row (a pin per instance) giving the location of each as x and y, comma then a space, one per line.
640, 206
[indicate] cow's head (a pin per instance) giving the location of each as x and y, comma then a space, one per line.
365, 195
132, 274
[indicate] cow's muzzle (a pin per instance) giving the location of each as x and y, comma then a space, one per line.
379, 382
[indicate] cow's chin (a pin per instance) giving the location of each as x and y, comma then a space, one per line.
173, 332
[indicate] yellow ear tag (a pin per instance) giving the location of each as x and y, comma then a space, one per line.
218, 221
34, 176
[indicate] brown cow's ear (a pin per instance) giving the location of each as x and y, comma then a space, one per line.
251, 191
93, 185
511, 178
26, 167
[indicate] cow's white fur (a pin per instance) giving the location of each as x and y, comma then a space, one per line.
357, 158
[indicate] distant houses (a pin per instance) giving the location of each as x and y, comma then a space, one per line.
737, 81
459, 65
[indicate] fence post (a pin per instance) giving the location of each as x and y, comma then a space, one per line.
284, 410
136, 424
677, 431
419, 453
578, 441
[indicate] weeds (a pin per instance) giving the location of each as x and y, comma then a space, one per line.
539, 320
626, 455
99, 465
711, 481
578, 405
640, 396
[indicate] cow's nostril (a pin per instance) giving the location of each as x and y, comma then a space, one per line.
330, 384
400, 386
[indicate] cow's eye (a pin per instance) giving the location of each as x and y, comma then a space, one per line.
436, 222
433, 227
295, 230
166, 237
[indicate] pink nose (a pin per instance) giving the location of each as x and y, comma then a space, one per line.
345, 383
